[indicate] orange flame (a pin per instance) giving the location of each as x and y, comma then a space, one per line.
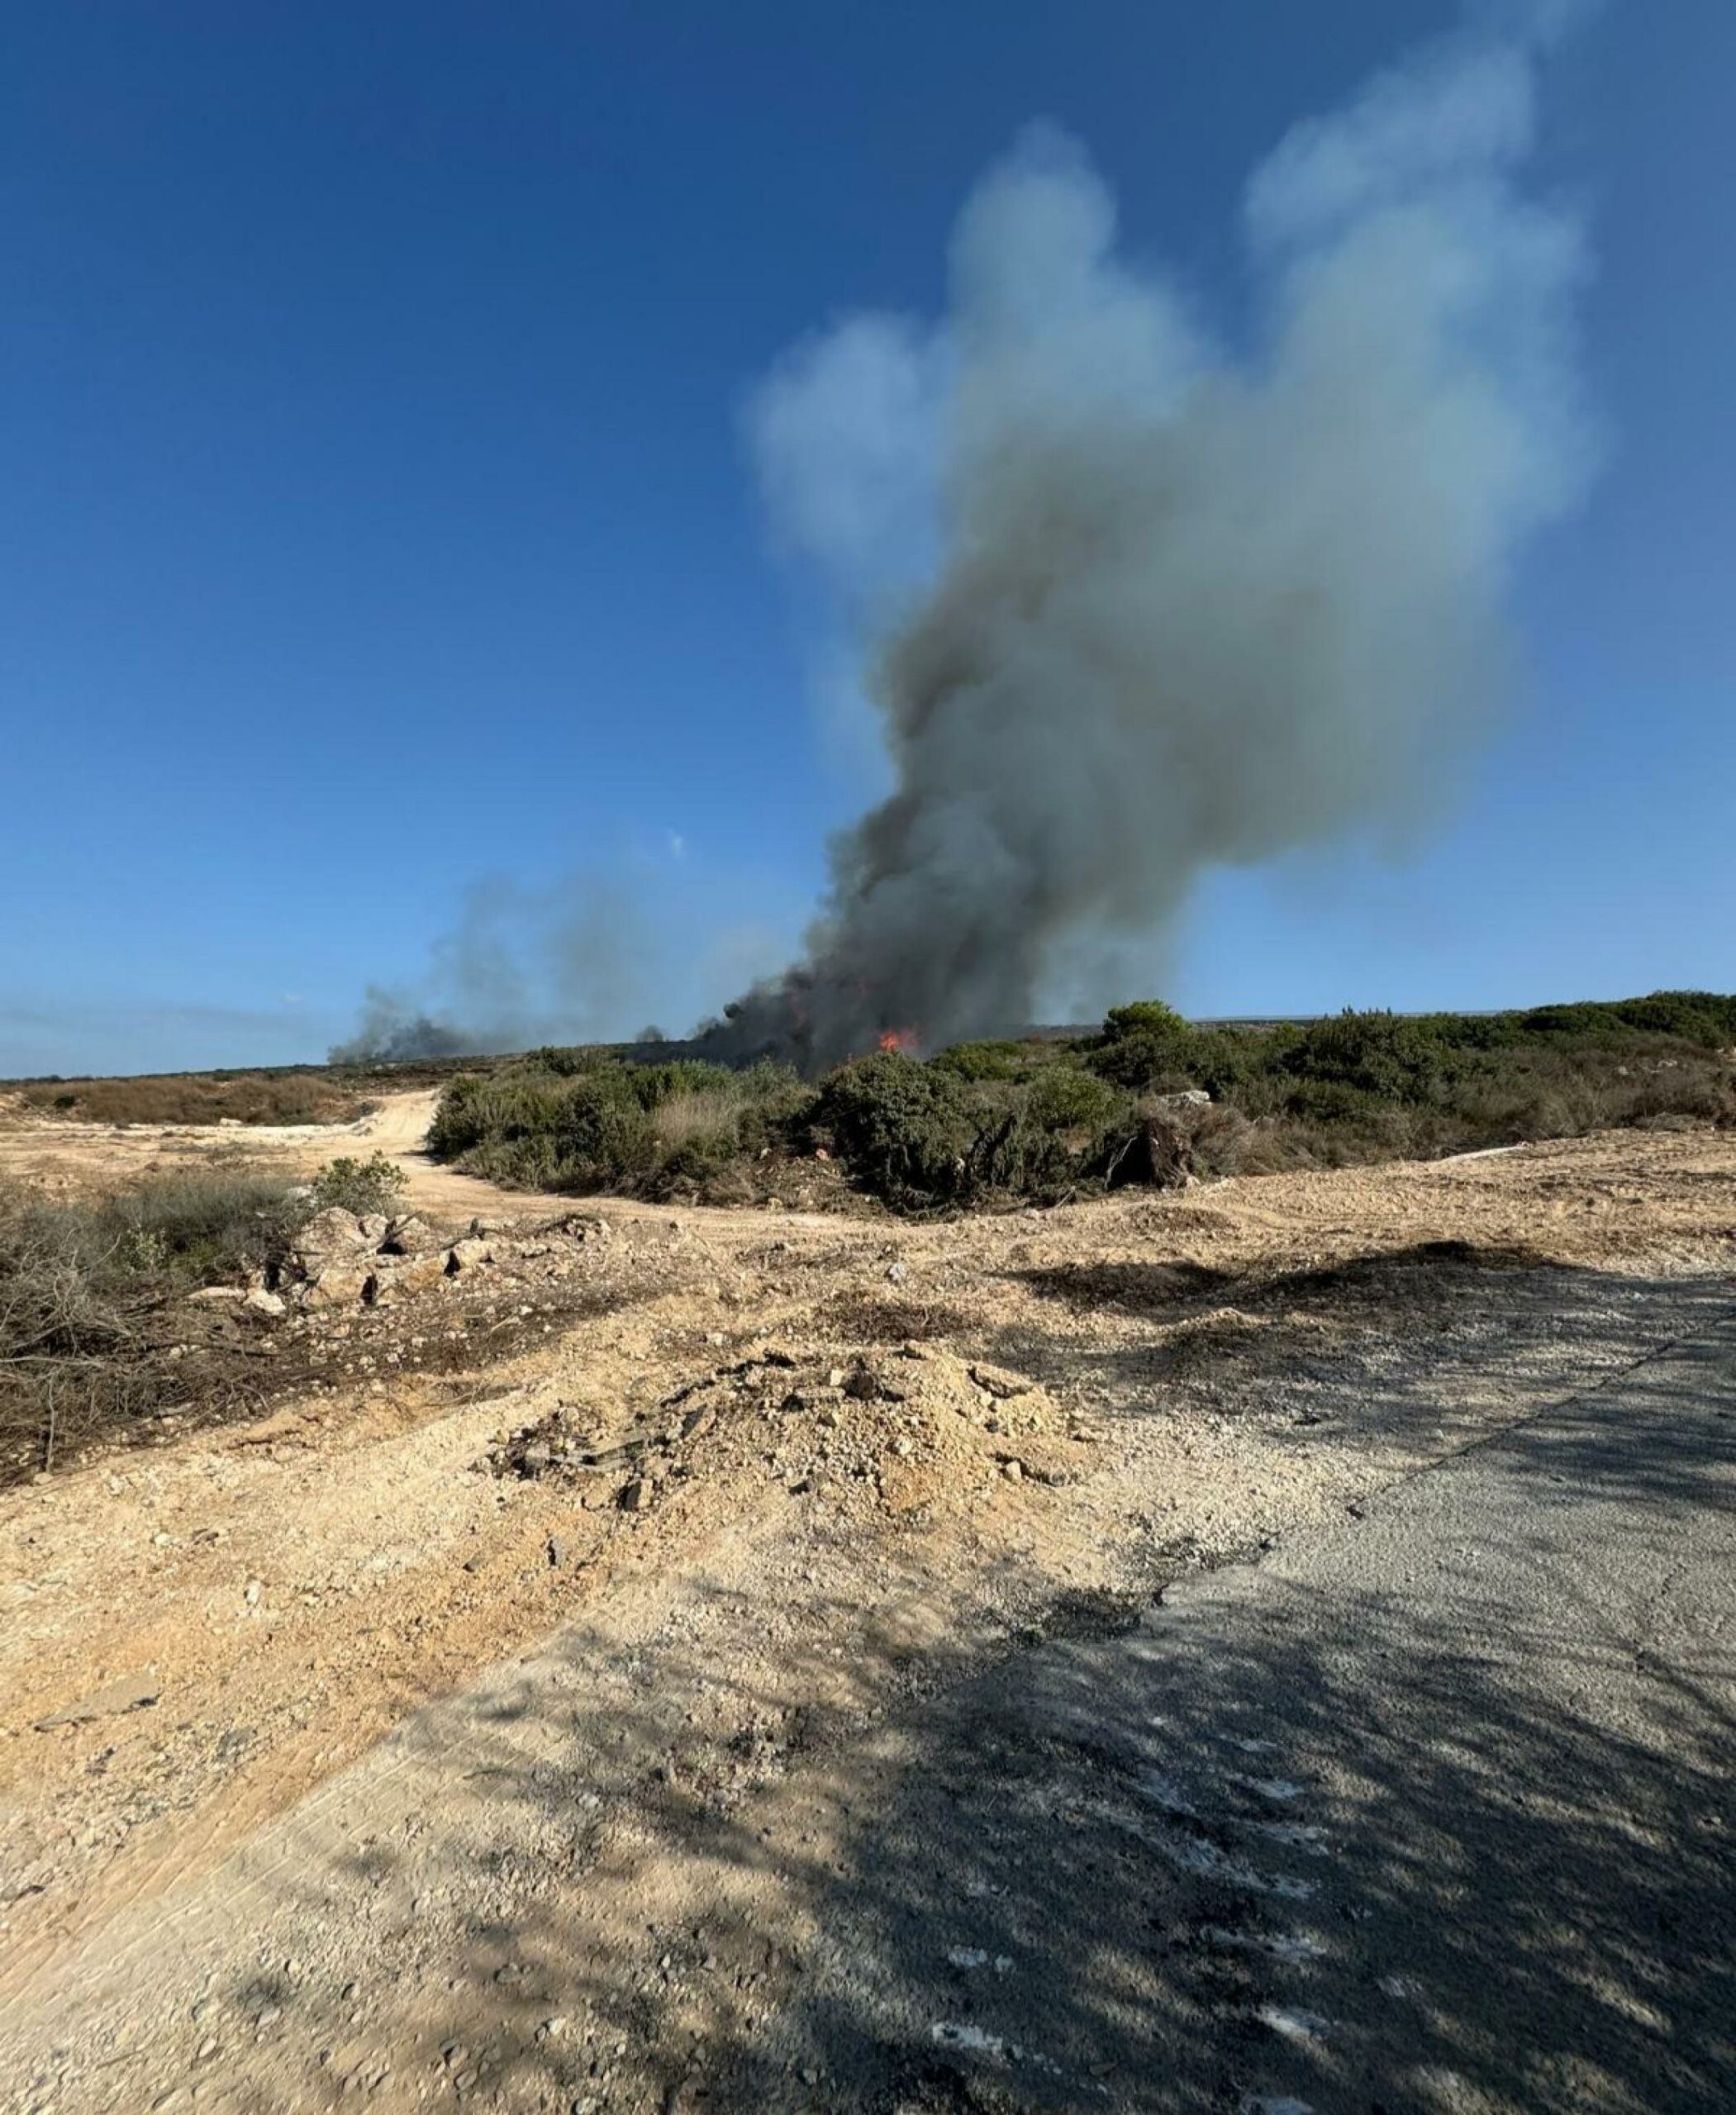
909, 1040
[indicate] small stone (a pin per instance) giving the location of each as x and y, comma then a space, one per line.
1013, 1472
895, 1275
207, 2047
635, 1497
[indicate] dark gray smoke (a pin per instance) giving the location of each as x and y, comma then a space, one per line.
393, 1030
1187, 607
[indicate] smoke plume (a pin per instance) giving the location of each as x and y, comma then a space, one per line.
1138, 603
522, 965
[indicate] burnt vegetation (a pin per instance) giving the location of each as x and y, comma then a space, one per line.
1148, 1097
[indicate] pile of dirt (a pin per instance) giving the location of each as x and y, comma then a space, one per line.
862, 1431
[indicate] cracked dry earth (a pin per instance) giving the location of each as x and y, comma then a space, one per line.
513, 1727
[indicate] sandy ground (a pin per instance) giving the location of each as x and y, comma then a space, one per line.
845, 1463
68, 1158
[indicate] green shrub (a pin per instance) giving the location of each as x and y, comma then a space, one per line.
601, 1129
1145, 1045
1380, 1054
985, 1061
905, 1129
1064, 1097
563, 1060
644, 1130
376, 1185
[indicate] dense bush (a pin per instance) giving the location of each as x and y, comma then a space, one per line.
905, 1129
1384, 1055
1044, 1118
985, 1061
583, 1121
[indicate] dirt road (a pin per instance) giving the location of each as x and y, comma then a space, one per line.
1429, 1809
645, 1754
67, 1157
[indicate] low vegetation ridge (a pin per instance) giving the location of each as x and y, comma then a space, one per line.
1044, 1118
100, 1328
274, 1094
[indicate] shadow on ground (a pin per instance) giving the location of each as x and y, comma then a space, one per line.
1428, 1812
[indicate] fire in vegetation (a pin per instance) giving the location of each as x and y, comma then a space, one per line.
1150, 1098
1136, 595
1189, 602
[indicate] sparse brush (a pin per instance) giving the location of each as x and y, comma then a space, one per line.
299, 1095
82, 1286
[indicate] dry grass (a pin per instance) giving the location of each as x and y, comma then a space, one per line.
702, 1118
308, 1096
88, 1293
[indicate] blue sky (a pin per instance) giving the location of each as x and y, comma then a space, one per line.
375, 522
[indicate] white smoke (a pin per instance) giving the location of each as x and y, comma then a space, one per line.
1158, 603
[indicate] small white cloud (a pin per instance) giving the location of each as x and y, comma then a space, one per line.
678, 844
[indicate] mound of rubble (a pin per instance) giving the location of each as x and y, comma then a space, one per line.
904, 1431
339, 1260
